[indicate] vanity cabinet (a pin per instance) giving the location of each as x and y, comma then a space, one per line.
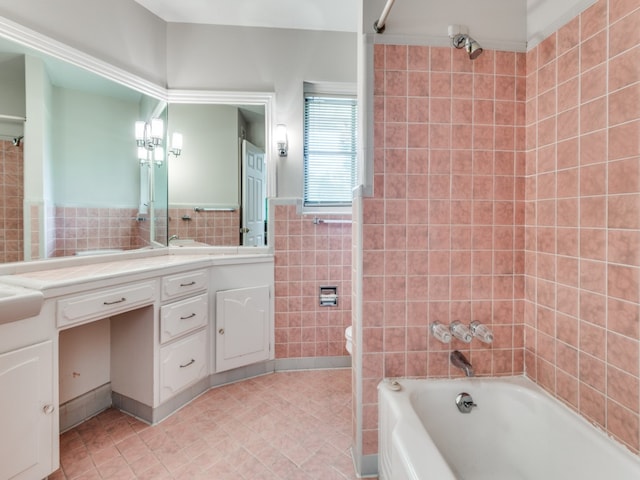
86, 307
242, 323
182, 363
243, 328
157, 329
28, 425
180, 318
183, 333
179, 285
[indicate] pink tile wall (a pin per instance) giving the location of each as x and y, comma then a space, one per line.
583, 216
11, 202
213, 228
81, 229
308, 256
443, 235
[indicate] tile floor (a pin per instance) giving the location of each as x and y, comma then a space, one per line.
287, 425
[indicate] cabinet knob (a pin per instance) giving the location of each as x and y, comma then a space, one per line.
48, 409
221, 331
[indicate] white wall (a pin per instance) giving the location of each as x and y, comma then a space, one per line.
94, 154
85, 358
260, 59
206, 174
37, 132
12, 94
120, 32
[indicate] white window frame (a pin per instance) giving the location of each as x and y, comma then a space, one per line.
328, 89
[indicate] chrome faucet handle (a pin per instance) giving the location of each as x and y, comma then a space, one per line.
461, 331
481, 332
465, 402
441, 332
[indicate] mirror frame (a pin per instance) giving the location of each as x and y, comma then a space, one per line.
34, 40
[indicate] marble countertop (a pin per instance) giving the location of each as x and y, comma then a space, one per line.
73, 272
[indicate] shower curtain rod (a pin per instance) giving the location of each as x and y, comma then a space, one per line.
379, 24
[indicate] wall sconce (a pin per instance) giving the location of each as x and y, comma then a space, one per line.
149, 140
281, 140
176, 144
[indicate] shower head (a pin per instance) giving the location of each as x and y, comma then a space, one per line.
17, 140
472, 47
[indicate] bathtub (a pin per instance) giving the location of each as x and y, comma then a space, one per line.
516, 431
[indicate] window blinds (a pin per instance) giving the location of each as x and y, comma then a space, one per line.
329, 150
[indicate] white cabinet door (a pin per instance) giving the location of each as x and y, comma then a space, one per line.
27, 411
242, 327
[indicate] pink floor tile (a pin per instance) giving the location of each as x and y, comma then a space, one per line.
287, 425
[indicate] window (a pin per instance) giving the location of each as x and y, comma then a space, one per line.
329, 149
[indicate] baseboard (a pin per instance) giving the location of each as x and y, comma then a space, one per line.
85, 406
366, 466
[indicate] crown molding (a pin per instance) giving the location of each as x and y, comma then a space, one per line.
41, 43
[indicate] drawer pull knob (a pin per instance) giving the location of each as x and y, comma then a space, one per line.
123, 299
188, 317
48, 409
188, 284
221, 331
193, 360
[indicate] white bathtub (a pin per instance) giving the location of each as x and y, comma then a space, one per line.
517, 431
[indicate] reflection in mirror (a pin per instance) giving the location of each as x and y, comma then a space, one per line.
217, 185
12, 116
72, 183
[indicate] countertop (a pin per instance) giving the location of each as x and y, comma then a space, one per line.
75, 272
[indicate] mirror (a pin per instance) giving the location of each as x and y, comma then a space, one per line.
75, 182
71, 179
218, 183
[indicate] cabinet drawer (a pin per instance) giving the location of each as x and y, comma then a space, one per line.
182, 363
103, 303
175, 286
184, 316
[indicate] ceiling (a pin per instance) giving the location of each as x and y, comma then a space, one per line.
331, 15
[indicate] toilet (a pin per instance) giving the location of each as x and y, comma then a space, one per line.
349, 337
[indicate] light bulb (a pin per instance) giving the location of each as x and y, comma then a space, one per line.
140, 127
176, 141
157, 129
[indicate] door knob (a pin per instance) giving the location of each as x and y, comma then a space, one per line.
221, 331
245, 230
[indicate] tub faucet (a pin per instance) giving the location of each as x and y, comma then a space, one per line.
459, 360
173, 237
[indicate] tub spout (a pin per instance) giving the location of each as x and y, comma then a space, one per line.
459, 360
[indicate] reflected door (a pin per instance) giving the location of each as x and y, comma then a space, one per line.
253, 195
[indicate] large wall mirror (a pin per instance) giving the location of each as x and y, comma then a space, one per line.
72, 183
71, 180
218, 183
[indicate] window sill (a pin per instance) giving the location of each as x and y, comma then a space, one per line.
327, 210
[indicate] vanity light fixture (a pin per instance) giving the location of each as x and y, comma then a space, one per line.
176, 144
149, 140
281, 140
